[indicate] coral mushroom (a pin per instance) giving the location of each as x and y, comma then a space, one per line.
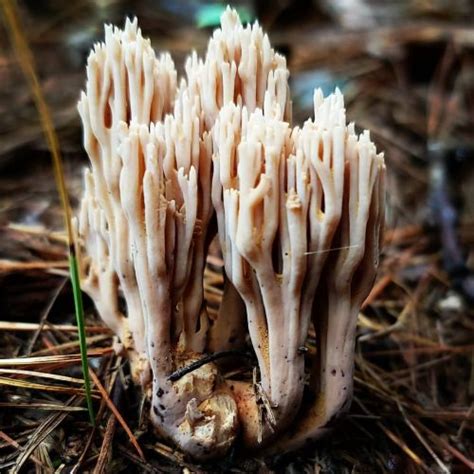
299, 214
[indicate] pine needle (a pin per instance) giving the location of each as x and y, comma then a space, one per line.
25, 59
44, 375
52, 359
5, 381
117, 414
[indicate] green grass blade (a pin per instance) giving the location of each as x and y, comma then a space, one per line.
26, 62
76, 289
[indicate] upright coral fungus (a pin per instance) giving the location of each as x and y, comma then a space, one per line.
144, 222
299, 214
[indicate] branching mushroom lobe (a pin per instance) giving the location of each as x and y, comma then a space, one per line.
143, 224
270, 185
125, 82
347, 278
240, 67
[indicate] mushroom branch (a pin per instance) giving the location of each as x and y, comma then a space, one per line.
143, 224
260, 193
240, 67
299, 213
115, 92
346, 280
167, 247
278, 194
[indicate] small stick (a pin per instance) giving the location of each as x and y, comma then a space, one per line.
14, 326
105, 449
16, 445
422, 440
181, 372
11, 265
117, 414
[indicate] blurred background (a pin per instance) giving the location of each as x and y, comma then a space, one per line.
406, 69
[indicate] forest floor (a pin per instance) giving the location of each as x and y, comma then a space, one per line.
411, 83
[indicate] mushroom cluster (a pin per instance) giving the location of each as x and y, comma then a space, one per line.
299, 214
